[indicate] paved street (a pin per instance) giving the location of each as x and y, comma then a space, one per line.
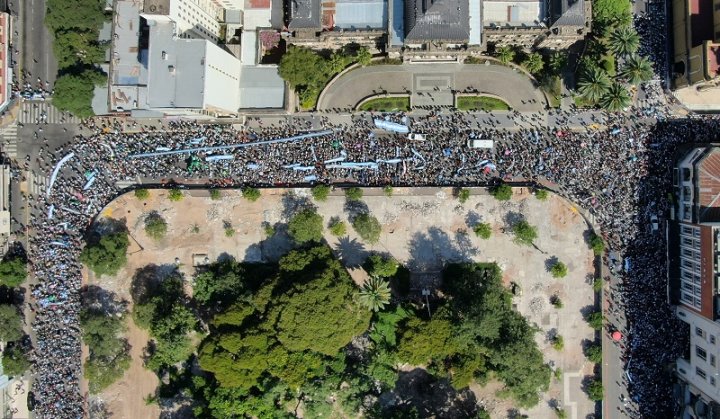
432, 84
35, 43
41, 112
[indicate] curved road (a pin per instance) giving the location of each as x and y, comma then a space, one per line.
432, 84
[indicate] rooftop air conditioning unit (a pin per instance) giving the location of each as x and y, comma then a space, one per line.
171, 69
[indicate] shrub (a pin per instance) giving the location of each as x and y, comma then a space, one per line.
142, 194
525, 234
175, 195
594, 389
214, 194
501, 192
483, 230
268, 229
541, 194
597, 244
155, 226
377, 265
559, 270
558, 343
556, 302
593, 353
13, 270
320, 192
463, 195
367, 227
598, 284
595, 319
337, 228
229, 231
353, 194
251, 194
388, 191
108, 255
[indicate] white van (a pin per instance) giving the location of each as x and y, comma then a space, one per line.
414, 136
480, 143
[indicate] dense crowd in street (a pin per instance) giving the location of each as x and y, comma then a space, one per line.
619, 174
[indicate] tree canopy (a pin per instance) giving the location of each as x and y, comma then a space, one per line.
306, 226
74, 91
13, 271
525, 234
14, 360
10, 323
109, 352
107, 255
502, 192
220, 284
367, 227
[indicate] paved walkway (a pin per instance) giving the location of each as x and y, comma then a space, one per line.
432, 84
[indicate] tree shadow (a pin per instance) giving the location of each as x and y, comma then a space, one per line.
147, 279
428, 396
431, 250
274, 247
351, 252
104, 226
472, 219
292, 204
99, 299
511, 218
355, 208
550, 262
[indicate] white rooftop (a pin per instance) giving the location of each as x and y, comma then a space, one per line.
513, 13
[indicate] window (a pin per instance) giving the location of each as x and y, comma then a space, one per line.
699, 332
700, 352
712, 381
712, 339
712, 360
700, 373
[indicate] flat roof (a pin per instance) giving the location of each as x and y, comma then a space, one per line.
709, 186
701, 21
513, 13
361, 14
261, 87
249, 48
304, 14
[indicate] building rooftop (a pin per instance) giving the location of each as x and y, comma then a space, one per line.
156, 7
261, 87
709, 187
528, 13
361, 14
304, 14
567, 13
442, 20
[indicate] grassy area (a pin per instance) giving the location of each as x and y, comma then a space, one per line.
581, 102
387, 104
485, 103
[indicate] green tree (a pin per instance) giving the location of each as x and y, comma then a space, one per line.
13, 271
525, 234
10, 324
368, 228
463, 194
594, 83
219, 285
559, 270
75, 46
597, 244
336, 63
155, 226
215, 194
384, 267
593, 352
558, 343
109, 353
483, 230
251, 194
595, 319
598, 284
142, 194
502, 192
76, 14
556, 62
353, 194
301, 67
320, 192
14, 361
541, 194
337, 228
108, 255
533, 63
74, 91
505, 54
306, 226
624, 40
375, 293
556, 301
616, 99
175, 195
364, 57
388, 190
594, 389
608, 13
637, 70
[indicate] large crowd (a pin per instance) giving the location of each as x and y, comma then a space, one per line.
619, 173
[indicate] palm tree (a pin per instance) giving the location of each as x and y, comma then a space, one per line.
505, 54
593, 84
624, 41
375, 293
336, 63
557, 61
533, 63
616, 98
637, 70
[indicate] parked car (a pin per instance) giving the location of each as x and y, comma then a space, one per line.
654, 224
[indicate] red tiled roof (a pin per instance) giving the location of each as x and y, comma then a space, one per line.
709, 186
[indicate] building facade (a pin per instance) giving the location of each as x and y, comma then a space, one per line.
694, 275
696, 42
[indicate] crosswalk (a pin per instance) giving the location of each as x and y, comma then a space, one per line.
9, 140
37, 184
37, 112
